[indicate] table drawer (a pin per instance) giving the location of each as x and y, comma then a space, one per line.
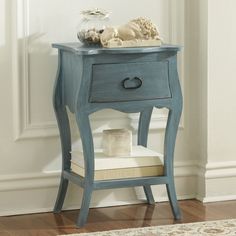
130, 81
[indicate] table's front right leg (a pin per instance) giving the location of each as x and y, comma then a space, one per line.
143, 129
83, 123
170, 137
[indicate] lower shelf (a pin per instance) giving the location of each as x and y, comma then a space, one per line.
141, 162
121, 173
116, 183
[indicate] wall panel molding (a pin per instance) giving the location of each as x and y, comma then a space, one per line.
23, 126
45, 184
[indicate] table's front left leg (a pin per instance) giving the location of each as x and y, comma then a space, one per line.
143, 128
169, 146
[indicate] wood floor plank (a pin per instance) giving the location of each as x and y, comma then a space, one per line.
100, 219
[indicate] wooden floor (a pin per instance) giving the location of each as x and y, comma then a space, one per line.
101, 219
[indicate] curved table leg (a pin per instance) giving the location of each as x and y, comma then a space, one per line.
64, 129
170, 137
88, 151
61, 195
143, 128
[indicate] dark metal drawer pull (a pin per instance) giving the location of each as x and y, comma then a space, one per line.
132, 83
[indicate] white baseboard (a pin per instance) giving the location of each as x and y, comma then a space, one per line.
216, 180
226, 169
27, 181
36, 192
219, 198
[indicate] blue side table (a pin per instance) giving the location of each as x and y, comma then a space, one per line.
125, 79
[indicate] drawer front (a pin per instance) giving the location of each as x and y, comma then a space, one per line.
130, 82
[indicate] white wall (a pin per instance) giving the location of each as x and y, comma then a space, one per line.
196, 39
30, 147
221, 80
205, 163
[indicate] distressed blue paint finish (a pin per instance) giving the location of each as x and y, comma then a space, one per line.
77, 48
143, 127
82, 119
91, 79
152, 77
64, 128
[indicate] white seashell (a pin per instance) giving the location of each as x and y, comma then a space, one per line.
134, 32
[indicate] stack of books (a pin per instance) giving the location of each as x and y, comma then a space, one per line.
142, 162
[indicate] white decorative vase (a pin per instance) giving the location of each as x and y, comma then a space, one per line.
92, 25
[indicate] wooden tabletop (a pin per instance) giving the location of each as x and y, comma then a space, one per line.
81, 49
